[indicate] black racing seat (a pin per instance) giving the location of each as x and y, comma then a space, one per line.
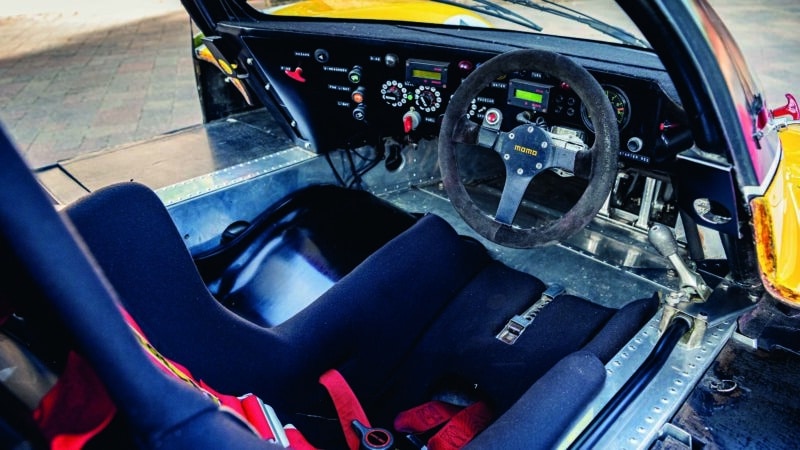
51, 280
417, 316
362, 315
295, 250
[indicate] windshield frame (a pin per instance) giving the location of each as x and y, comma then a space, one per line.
716, 90
532, 16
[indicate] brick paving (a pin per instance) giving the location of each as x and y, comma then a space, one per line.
766, 32
84, 75
73, 82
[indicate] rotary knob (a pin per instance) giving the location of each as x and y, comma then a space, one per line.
394, 93
428, 98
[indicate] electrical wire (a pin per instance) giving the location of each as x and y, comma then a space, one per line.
348, 164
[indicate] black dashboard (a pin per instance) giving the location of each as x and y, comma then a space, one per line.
341, 90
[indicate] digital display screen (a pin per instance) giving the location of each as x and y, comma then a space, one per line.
426, 74
534, 97
529, 95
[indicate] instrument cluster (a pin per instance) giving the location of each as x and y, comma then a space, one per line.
340, 94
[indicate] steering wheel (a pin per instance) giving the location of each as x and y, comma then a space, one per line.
527, 150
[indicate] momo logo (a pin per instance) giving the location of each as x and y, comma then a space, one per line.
526, 150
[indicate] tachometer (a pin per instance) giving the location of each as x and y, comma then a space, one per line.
619, 104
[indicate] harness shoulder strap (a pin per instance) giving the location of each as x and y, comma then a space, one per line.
348, 408
459, 425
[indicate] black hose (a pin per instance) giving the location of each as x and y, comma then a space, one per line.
693, 241
633, 387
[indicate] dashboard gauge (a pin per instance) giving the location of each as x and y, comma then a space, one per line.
619, 104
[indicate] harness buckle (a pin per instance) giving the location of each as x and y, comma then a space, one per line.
517, 324
274, 424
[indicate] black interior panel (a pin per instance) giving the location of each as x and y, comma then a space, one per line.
342, 91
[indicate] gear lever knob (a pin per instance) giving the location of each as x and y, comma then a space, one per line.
664, 241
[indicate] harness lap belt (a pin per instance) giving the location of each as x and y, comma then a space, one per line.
517, 324
78, 406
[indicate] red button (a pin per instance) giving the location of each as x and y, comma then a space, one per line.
492, 117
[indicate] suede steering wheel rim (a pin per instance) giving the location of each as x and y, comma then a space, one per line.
527, 150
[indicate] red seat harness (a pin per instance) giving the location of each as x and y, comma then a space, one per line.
78, 407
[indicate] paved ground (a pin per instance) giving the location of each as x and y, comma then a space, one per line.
767, 35
84, 76
78, 76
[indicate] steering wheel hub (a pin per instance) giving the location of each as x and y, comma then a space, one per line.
527, 150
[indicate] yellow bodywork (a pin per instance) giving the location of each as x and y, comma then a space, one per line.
777, 224
402, 10
202, 53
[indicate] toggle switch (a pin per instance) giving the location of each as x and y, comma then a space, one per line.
296, 74
411, 120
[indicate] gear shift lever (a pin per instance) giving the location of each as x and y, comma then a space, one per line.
663, 240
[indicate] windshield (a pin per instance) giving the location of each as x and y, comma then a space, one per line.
599, 20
